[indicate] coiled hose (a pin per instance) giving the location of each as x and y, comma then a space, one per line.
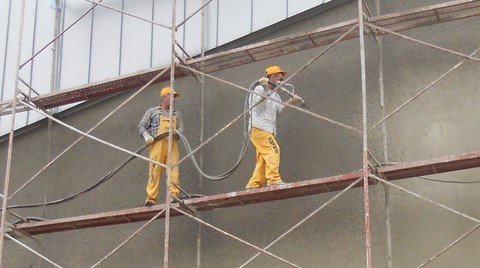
245, 142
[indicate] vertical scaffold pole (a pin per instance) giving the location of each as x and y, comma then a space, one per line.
10, 139
385, 141
170, 137
365, 136
202, 125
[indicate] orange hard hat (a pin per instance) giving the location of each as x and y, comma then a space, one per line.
274, 69
168, 90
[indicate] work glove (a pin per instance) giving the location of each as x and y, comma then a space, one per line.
263, 81
293, 100
148, 139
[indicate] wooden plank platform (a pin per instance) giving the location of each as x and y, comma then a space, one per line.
400, 21
430, 167
244, 197
253, 196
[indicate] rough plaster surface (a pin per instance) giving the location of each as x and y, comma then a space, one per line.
440, 122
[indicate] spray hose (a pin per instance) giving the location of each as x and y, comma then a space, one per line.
290, 93
246, 131
243, 150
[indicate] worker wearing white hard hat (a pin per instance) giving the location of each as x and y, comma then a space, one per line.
263, 129
154, 123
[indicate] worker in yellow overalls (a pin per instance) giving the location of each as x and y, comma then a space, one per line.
263, 128
155, 122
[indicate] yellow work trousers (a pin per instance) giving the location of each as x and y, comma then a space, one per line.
268, 159
159, 153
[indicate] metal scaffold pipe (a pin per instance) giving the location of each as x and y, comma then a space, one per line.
10, 140
170, 139
365, 136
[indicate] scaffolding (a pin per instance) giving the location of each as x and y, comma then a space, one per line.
201, 67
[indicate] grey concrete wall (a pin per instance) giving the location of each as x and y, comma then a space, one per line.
439, 122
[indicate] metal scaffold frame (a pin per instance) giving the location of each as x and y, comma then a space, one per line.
201, 68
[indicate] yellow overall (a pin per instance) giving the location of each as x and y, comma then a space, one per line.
268, 159
159, 153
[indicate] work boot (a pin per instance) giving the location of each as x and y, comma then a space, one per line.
149, 203
277, 183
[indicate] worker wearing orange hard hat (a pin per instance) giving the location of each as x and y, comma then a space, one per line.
263, 128
154, 123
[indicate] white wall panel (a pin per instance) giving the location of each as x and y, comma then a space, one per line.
180, 34
212, 25
28, 43
234, 20
11, 55
10, 38
161, 47
106, 34
5, 51
136, 40
266, 13
162, 36
38, 72
44, 33
4, 27
192, 31
298, 6
76, 45
5, 122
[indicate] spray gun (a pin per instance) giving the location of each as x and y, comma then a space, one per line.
291, 92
